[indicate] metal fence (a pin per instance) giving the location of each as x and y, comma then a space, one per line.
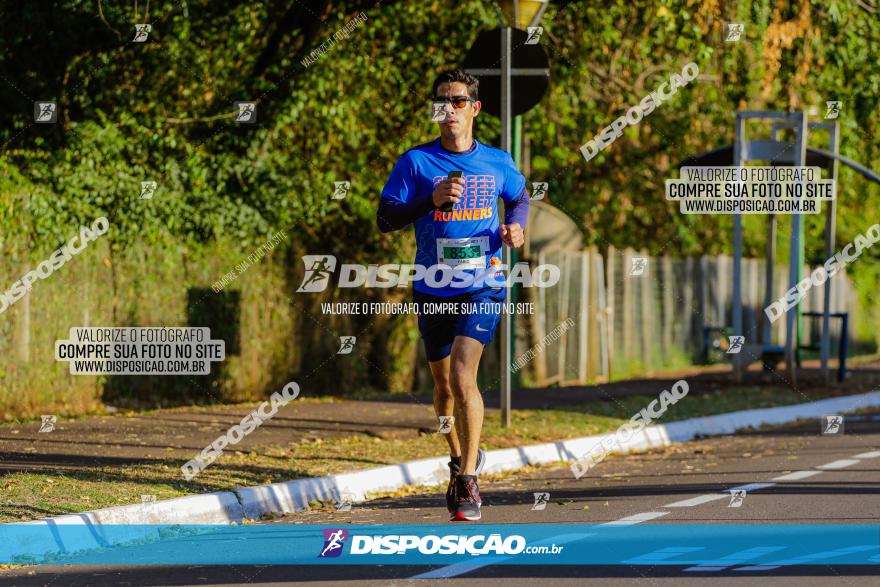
631, 322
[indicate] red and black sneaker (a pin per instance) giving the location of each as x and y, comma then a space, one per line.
455, 469
467, 499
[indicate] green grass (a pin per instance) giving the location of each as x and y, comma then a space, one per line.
29, 495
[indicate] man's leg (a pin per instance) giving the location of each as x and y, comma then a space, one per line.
444, 402
468, 403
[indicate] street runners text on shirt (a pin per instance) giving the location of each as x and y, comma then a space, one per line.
448, 308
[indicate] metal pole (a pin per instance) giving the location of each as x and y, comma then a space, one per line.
769, 268
513, 293
795, 261
737, 251
830, 224
766, 333
506, 120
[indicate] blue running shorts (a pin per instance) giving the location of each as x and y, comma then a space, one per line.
442, 318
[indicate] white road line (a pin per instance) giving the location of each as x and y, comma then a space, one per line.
630, 520
797, 475
868, 455
457, 569
839, 464
687, 503
701, 499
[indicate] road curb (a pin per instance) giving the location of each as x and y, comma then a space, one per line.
291, 496
119, 525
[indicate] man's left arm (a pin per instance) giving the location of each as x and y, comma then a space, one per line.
516, 206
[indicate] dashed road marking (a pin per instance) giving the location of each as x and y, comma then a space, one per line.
629, 520
699, 500
687, 503
868, 455
839, 464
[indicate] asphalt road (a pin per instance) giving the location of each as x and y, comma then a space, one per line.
791, 475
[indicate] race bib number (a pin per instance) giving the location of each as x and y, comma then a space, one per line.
467, 252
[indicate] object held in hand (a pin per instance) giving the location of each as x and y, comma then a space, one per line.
448, 206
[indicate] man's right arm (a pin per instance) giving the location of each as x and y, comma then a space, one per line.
401, 205
394, 215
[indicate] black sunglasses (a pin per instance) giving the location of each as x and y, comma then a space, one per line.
456, 101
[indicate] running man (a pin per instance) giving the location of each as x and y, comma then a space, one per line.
466, 239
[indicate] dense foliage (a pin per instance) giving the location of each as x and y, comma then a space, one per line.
162, 110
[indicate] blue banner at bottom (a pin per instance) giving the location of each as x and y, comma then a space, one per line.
711, 545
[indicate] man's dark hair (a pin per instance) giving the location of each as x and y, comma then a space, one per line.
458, 75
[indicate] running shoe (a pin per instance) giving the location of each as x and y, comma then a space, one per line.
467, 499
455, 469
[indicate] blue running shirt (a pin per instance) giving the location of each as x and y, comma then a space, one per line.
469, 234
